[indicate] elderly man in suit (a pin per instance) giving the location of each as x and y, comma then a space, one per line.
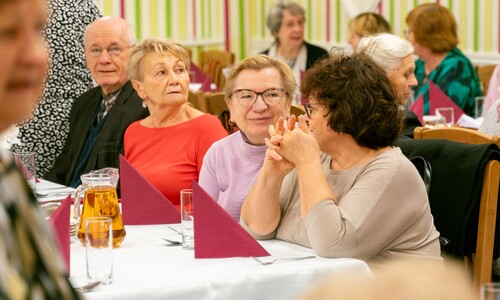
99, 117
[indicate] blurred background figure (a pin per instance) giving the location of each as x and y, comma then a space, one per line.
432, 30
258, 92
286, 23
167, 147
366, 24
100, 116
395, 56
399, 280
31, 266
68, 78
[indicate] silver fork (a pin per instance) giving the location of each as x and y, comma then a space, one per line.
88, 287
270, 262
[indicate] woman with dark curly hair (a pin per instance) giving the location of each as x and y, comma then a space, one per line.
351, 193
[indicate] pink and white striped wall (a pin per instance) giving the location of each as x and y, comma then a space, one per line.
239, 25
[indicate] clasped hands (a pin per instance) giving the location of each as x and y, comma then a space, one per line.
290, 145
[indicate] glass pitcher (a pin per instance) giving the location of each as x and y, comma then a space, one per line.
100, 200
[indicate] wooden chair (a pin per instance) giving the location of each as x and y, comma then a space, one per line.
481, 264
197, 100
213, 61
484, 73
216, 105
297, 110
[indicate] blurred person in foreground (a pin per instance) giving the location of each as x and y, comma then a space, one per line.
258, 91
399, 280
395, 56
432, 30
365, 24
286, 22
99, 117
167, 147
68, 77
31, 266
338, 185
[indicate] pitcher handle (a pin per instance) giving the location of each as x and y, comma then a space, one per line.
80, 190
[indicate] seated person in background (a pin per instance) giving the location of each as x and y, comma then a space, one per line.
491, 122
351, 194
395, 56
258, 90
31, 266
286, 23
364, 24
99, 117
167, 147
432, 30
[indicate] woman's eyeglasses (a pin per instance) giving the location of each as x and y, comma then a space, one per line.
247, 97
308, 107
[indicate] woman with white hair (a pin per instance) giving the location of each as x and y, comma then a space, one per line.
395, 56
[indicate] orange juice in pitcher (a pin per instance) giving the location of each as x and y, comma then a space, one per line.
100, 200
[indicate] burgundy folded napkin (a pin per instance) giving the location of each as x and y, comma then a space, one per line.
198, 75
142, 203
206, 85
418, 108
216, 233
438, 99
60, 222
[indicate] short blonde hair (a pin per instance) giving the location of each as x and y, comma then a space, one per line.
159, 46
369, 23
260, 62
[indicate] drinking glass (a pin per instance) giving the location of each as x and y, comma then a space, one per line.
26, 161
490, 291
445, 116
99, 247
187, 223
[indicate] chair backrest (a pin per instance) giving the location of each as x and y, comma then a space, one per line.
197, 100
212, 62
216, 105
297, 110
457, 134
482, 262
484, 73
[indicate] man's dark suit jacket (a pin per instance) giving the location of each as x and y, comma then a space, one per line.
313, 54
109, 144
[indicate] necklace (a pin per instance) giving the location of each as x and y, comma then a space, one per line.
356, 161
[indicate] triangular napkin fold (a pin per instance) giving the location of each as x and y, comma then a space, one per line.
418, 108
60, 222
142, 203
216, 233
438, 99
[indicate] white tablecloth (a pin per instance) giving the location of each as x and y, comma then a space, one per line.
145, 268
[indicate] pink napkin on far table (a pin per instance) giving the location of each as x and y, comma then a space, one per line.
216, 233
198, 75
142, 203
438, 99
60, 222
418, 108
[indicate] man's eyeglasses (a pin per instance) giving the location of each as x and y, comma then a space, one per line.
112, 51
247, 97
308, 108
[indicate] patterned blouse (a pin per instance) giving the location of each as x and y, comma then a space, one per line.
68, 78
31, 266
455, 76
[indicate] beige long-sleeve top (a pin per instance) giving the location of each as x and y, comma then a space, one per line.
382, 212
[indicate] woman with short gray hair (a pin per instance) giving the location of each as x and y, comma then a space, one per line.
286, 23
